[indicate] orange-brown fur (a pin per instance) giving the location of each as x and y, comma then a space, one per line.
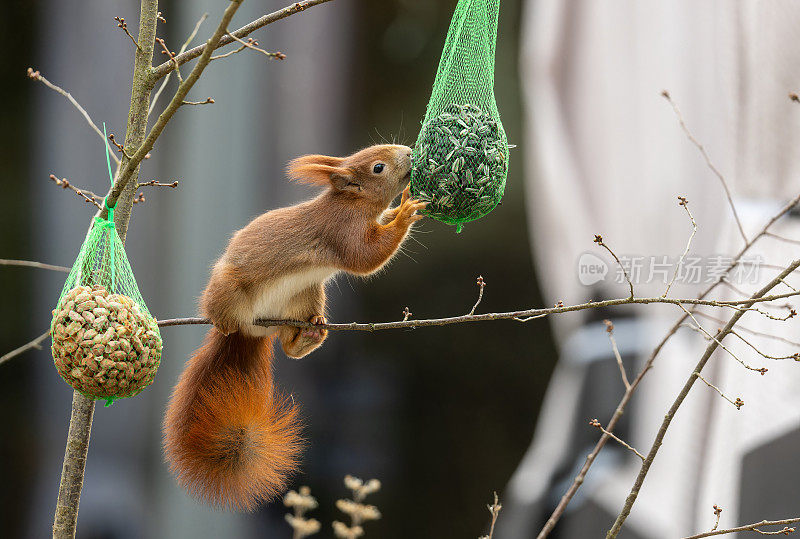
228, 438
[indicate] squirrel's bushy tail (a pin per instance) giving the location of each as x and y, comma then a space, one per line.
229, 439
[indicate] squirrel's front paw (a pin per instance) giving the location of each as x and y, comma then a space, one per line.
408, 208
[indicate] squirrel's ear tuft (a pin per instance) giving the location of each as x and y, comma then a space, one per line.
316, 169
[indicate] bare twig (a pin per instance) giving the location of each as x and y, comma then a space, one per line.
753, 528
645, 468
512, 315
208, 101
35, 75
795, 356
494, 509
120, 148
750, 331
790, 287
32, 264
163, 69
183, 48
610, 331
122, 24
171, 56
733, 287
229, 53
34, 344
154, 183
596, 423
717, 515
707, 159
682, 201
252, 44
782, 238
481, 286
127, 169
710, 337
87, 196
623, 403
598, 239
738, 402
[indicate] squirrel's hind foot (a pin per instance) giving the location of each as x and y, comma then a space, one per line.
298, 342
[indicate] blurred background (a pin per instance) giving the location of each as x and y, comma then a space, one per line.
442, 416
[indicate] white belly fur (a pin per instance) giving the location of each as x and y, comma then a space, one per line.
273, 299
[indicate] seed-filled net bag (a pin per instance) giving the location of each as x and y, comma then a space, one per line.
106, 344
460, 160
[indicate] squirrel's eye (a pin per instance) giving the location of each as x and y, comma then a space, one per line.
377, 169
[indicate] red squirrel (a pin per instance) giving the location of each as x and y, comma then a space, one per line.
228, 437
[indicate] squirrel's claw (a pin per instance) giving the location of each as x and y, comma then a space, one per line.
406, 195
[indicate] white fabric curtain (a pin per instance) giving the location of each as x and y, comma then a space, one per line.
609, 157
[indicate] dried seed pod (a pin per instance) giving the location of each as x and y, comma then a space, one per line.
88, 304
73, 327
100, 323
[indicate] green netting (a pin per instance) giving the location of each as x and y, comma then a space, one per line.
460, 160
106, 344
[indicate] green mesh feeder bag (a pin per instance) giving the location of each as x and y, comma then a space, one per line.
106, 344
460, 160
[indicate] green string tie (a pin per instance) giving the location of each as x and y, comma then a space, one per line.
109, 224
110, 220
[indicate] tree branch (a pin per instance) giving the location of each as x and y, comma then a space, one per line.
707, 159
617, 356
80, 424
163, 69
32, 264
128, 167
253, 45
35, 75
85, 194
35, 343
406, 323
662, 431
69, 491
183, 48
752, 527
623, 403
682, 201
596, 423
512, 315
